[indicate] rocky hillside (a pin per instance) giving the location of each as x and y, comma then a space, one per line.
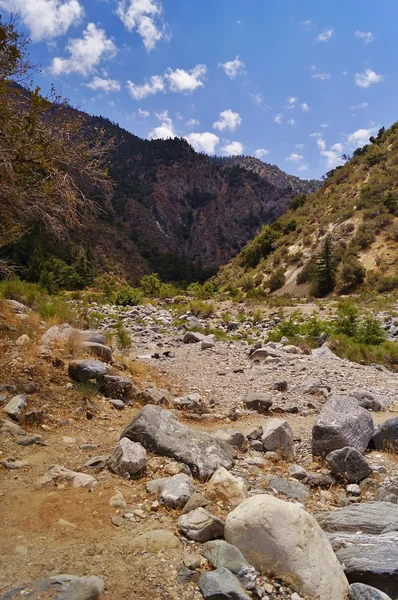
357, 207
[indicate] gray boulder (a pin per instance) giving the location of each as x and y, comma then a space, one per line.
201, 526
290, 489
60, 587
386, 435
388, 492
349, 464
258, 401
114, 386
101, 350
221, 554
232, 437
278, 437
372, 518
341, 422
369, 559
128, 458
360, 591
324, 352
368, 400
84, 370
15, 407
221, 584
193, 337
177, 491
191, 403
159, 431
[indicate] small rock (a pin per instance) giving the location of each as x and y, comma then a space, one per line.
348, 463
177, 491
16, 406
201, 526
227, 488
278, 437
222, 554
117, 520
258, 401
221, 584
128, 458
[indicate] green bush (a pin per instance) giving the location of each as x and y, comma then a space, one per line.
201, 309
277, 280
151, 284
370, 331
347, 319
289, 328
351, 274
128, 296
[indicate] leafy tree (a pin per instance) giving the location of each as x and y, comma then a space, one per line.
324, 279
150, 284
370, 331
47, 160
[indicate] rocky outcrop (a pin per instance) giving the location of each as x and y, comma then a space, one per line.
159, 431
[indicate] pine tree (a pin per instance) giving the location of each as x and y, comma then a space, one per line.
324, 279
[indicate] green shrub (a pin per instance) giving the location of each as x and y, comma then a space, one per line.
128, 296
150, 284
347, 319
201, 309
289, 328
277, 280
370, 331
122, 336
314, 327
351, 274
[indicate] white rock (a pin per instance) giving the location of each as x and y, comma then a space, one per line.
278, 437
177, 491
283, 539
128, 458
227, 488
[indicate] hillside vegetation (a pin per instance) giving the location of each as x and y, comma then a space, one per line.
354, 213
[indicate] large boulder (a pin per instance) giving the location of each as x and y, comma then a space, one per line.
369, 559
193, 337
227, 488
341, 422
59, 587
66, 333
283, 539
369, 400
159, 431
85, 370
349, 464
101, 350
386, 435
221, 584
360, 591
278, 437
370, 517
128, 458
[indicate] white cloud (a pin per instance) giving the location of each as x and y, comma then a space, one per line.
278, 119
85, 53
165, 130
325, 36
316, 134
291, 122
232, 149
233, 68
228, 120
45, 18
105, 85
295, 157
304, 107
261, 152
361, 106
143, 113
324, 125
257, 98
144, 16
366, 36
203, 142
139, 92
192, 122
299, 146
291, 101
367, 78
332, 157
307, 24
186, 81
321, 76
302, 168
360, 137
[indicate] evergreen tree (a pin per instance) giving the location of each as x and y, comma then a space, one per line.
324, 278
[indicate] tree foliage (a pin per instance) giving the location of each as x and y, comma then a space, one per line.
50, 168
324, 278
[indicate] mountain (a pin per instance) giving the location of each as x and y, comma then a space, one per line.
171, 200
356, 208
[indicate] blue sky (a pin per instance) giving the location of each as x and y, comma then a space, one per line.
296, 83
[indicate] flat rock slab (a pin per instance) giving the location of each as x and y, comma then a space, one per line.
60, 587
341, 422
372, 517
159, 431
290, 489
369, 559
